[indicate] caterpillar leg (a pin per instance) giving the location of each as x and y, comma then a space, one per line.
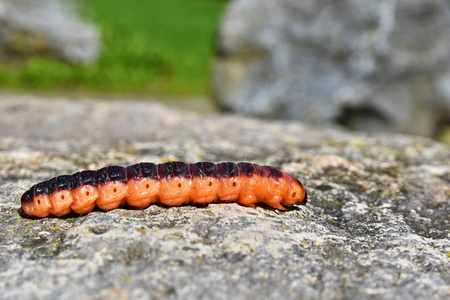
248, 200
275, 202
279, 207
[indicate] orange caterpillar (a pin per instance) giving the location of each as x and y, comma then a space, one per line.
171, 184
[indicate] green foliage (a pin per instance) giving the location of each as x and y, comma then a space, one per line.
148, 46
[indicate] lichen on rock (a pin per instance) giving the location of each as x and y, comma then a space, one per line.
376, 224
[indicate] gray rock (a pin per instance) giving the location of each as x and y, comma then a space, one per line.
376, 226
371, 65
29, 27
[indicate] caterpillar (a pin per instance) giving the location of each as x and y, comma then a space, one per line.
171, 184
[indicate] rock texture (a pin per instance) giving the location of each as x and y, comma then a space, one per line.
29, 27
376, 226
371, 65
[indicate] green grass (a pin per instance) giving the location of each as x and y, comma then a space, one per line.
158, 46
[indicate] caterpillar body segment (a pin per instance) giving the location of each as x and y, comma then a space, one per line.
143, 185
171, 184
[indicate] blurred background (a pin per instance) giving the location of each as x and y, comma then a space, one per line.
370, 65
113, 47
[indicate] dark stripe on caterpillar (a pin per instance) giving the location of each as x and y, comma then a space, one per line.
150, 170
203, 169
147, 170
245, 169
172, 184
272, 172
171, 169
63, 182
43, 188
112, 173
27, 197
83, 178
227, 169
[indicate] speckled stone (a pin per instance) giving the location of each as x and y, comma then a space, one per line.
377, 224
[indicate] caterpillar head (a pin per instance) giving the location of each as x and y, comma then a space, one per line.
296, 193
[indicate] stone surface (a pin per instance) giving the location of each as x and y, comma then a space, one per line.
371, 65
376, 226
50, 26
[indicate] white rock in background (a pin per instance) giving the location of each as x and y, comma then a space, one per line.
29, 27
372, 65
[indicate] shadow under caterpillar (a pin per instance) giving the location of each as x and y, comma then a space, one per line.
171, 184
